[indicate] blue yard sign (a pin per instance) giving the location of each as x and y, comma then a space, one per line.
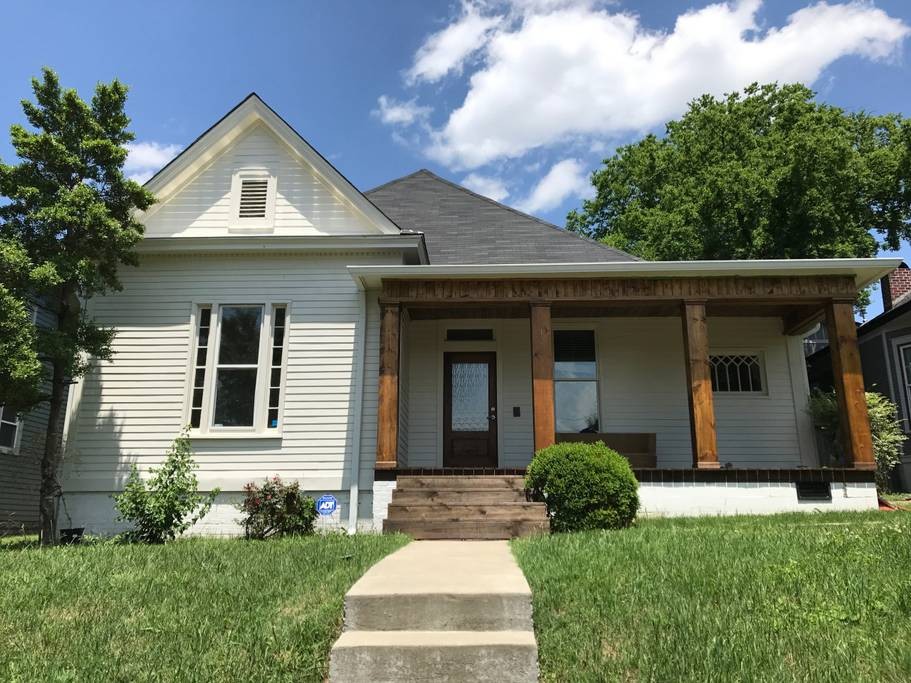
326, 505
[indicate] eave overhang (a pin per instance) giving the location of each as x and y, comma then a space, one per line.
865, 271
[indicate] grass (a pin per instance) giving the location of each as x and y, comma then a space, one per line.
193, 610
823, 597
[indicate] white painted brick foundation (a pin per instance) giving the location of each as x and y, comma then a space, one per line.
95, 512
382, 496
694, 499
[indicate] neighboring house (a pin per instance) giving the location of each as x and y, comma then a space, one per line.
885, 354
346, 340
21, 447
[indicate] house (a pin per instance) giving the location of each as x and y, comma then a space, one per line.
357, 342
22, 440
885, 354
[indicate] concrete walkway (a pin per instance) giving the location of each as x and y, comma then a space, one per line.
439, 611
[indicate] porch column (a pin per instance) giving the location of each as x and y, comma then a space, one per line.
387, 417
699, 381
849, 384
542, 374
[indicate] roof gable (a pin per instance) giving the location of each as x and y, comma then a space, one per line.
461, 226
312, 196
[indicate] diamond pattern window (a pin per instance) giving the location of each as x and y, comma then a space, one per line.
737, 373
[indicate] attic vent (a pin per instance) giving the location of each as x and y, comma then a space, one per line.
254, 194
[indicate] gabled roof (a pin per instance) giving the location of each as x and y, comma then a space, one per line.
252, 110
461, 226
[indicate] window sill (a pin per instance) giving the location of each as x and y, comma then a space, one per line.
277, 434
251, 229
4, 450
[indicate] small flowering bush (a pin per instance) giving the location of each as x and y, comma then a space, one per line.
276, 509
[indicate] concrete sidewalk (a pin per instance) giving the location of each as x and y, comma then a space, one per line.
441, 611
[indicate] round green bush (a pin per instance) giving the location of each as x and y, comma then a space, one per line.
585, 486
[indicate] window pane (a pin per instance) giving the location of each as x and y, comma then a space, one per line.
576, 406
470, 389
235, 394
7, 434
574, 354
240, 335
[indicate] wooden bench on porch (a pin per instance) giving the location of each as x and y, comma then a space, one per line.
638, 448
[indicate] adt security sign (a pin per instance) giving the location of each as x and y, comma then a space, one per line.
326, 505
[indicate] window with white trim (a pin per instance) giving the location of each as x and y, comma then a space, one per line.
575, 382
9, 430
904, 353
252, 200
238, 367
737, 373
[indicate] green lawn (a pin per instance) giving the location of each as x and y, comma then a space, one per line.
785, 598
193, 610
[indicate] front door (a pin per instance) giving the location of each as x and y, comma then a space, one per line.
470, 410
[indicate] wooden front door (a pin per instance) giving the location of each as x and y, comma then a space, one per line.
469, 409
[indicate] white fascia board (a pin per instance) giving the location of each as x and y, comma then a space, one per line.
865, 271
271, 243
214, 141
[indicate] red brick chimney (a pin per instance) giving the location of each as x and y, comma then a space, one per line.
896, 287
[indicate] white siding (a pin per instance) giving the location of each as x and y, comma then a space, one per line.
304, 204
642, 388
132, 407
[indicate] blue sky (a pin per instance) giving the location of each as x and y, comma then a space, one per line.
520, 100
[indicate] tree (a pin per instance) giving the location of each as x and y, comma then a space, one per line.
769, 173
68, 224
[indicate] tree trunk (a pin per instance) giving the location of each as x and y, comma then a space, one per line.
67, 321
50, 460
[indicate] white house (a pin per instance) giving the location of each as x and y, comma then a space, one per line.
348, 340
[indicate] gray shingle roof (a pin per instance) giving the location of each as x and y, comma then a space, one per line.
461, 226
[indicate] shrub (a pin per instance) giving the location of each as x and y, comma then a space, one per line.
169, 503
585, 486
276, 509
884, 426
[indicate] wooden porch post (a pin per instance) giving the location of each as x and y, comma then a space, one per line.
387, 417
849, 384
699, 381
542, 373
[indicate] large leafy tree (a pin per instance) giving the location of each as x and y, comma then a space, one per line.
67, 224
767, 173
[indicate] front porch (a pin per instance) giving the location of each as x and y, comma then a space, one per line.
699, 381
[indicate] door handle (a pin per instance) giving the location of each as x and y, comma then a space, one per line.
492, 415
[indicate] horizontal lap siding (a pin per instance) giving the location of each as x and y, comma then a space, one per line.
304, 204
642, 389
757, 431
132, 407
20, 472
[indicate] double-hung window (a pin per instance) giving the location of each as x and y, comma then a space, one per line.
575, 382
9, 430
238, 368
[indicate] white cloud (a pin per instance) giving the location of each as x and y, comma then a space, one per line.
486, 185
565, 179
144, 159
559, 71
395, 113
448, 49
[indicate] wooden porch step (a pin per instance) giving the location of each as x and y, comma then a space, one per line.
454, 512
465, 529
495, 482
465, 496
